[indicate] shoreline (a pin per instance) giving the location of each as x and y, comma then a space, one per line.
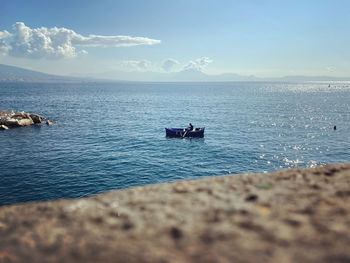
294, 215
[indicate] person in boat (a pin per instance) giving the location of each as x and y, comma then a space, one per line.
190, 127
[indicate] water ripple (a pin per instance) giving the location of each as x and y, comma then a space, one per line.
111, 136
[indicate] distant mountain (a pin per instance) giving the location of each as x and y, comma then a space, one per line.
194, 75
10, 73
234, 77
191, 75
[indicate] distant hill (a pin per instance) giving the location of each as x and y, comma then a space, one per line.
190, 75
194, 75
312, 78
10, 73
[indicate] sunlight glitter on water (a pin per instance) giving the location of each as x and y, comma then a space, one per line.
111, 135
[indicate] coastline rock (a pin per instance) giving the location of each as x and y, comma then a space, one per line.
9, 122
295, 215
19, 119
21, 115
17, 122
3, 127
48, 122
37, 119
6, 113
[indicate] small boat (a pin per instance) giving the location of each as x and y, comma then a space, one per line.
178, 132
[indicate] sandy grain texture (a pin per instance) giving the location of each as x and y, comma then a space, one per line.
299, 215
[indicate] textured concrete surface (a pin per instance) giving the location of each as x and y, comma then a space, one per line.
300, 215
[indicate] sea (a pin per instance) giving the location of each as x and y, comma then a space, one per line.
109, 136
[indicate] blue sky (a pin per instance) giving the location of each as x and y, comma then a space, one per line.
263, 38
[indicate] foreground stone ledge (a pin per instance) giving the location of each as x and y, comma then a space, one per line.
299, 215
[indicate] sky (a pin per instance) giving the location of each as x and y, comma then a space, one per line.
265, 38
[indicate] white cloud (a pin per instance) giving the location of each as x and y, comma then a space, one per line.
113, 41
56, 43
83, 52
4, 34
331, 69
4, 47
135, 65
169, 64
144, 64
198, 64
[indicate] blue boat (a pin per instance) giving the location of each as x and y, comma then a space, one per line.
178, 132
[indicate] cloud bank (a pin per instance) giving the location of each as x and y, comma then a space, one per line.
56, 43
4, 48
198, 64
135, 65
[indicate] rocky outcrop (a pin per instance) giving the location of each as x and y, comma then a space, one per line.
296, 215
6, 113
37, 119
11, 119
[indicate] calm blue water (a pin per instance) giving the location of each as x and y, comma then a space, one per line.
111, 136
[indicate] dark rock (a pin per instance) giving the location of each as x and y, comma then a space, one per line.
17, 122
21, 115
127, 225
9, 122
331, 172
251, 198
292, 222
175, 233
37, 119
